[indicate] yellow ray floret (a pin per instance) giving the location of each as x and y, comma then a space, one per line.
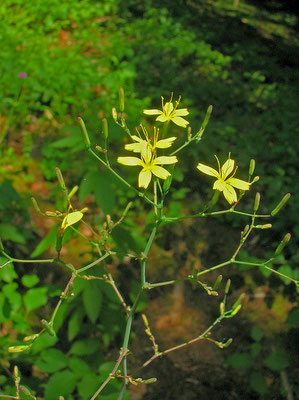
224, 182
170, 113
150, 165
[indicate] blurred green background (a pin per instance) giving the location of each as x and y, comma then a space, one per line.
64, 59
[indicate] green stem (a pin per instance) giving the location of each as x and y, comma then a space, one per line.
132, 311
93, 263
205, 214
215, 267
265, 266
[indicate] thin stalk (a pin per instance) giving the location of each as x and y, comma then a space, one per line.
93, 263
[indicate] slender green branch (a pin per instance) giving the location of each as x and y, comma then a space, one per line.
93, 263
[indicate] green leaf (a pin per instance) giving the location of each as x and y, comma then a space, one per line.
51, 360
258, 383
10, 232
92, 300
47, 241
35, 298
85, 347
7, 273
240, 361
104, 194
60, 384
255, 349
276, 361
100, 185
14, 298
79, 367
89, 385
75, 323
30, 280
256, 333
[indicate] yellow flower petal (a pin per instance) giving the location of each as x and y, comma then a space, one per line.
165, 160
208, 170
160, 172
71, 219
238, 183
152, 112
168, 107
219, 185
230, 194
162, 118
135, 147
180, 121
165, 143
144, 178
181, 112
227, 168
129, 161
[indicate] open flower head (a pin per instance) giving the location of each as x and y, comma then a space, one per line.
151, 164
142, 145
170, 112
225, 180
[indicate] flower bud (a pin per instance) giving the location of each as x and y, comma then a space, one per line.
72, 192
227, 343
16, 372
281, 204
221, 308
251, 167
60, 178
281, 245
238, 302
121, 98
256, 202
255, 179
48, 326
50, 214
114, 114
17, 349
84, 132
105, 128
265, 226
35, 205
30, 338
227, 286
235, 310
246, 229
150, 380
27, 392
217, 282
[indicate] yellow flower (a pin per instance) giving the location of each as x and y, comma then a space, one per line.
151, 164
224, 182
143, 144
170, 113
